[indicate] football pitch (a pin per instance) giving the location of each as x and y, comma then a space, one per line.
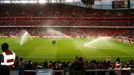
41, 49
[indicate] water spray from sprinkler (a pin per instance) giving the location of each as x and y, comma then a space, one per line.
24, 37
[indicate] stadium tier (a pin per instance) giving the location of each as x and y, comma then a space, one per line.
57, 9
73, 32
62, 15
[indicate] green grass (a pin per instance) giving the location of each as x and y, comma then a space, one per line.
40, 49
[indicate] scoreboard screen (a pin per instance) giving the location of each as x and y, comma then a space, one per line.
120, 4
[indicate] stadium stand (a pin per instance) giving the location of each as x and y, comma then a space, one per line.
78, 31
55, 14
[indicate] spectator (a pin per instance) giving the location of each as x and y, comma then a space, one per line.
77, 67
7, 59
118, 66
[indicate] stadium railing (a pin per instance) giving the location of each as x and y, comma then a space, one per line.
123, 71
16, 71
45, 72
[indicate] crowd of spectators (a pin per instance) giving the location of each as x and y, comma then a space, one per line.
58, 9
65, 22
78, 66
62, 15
73, 32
